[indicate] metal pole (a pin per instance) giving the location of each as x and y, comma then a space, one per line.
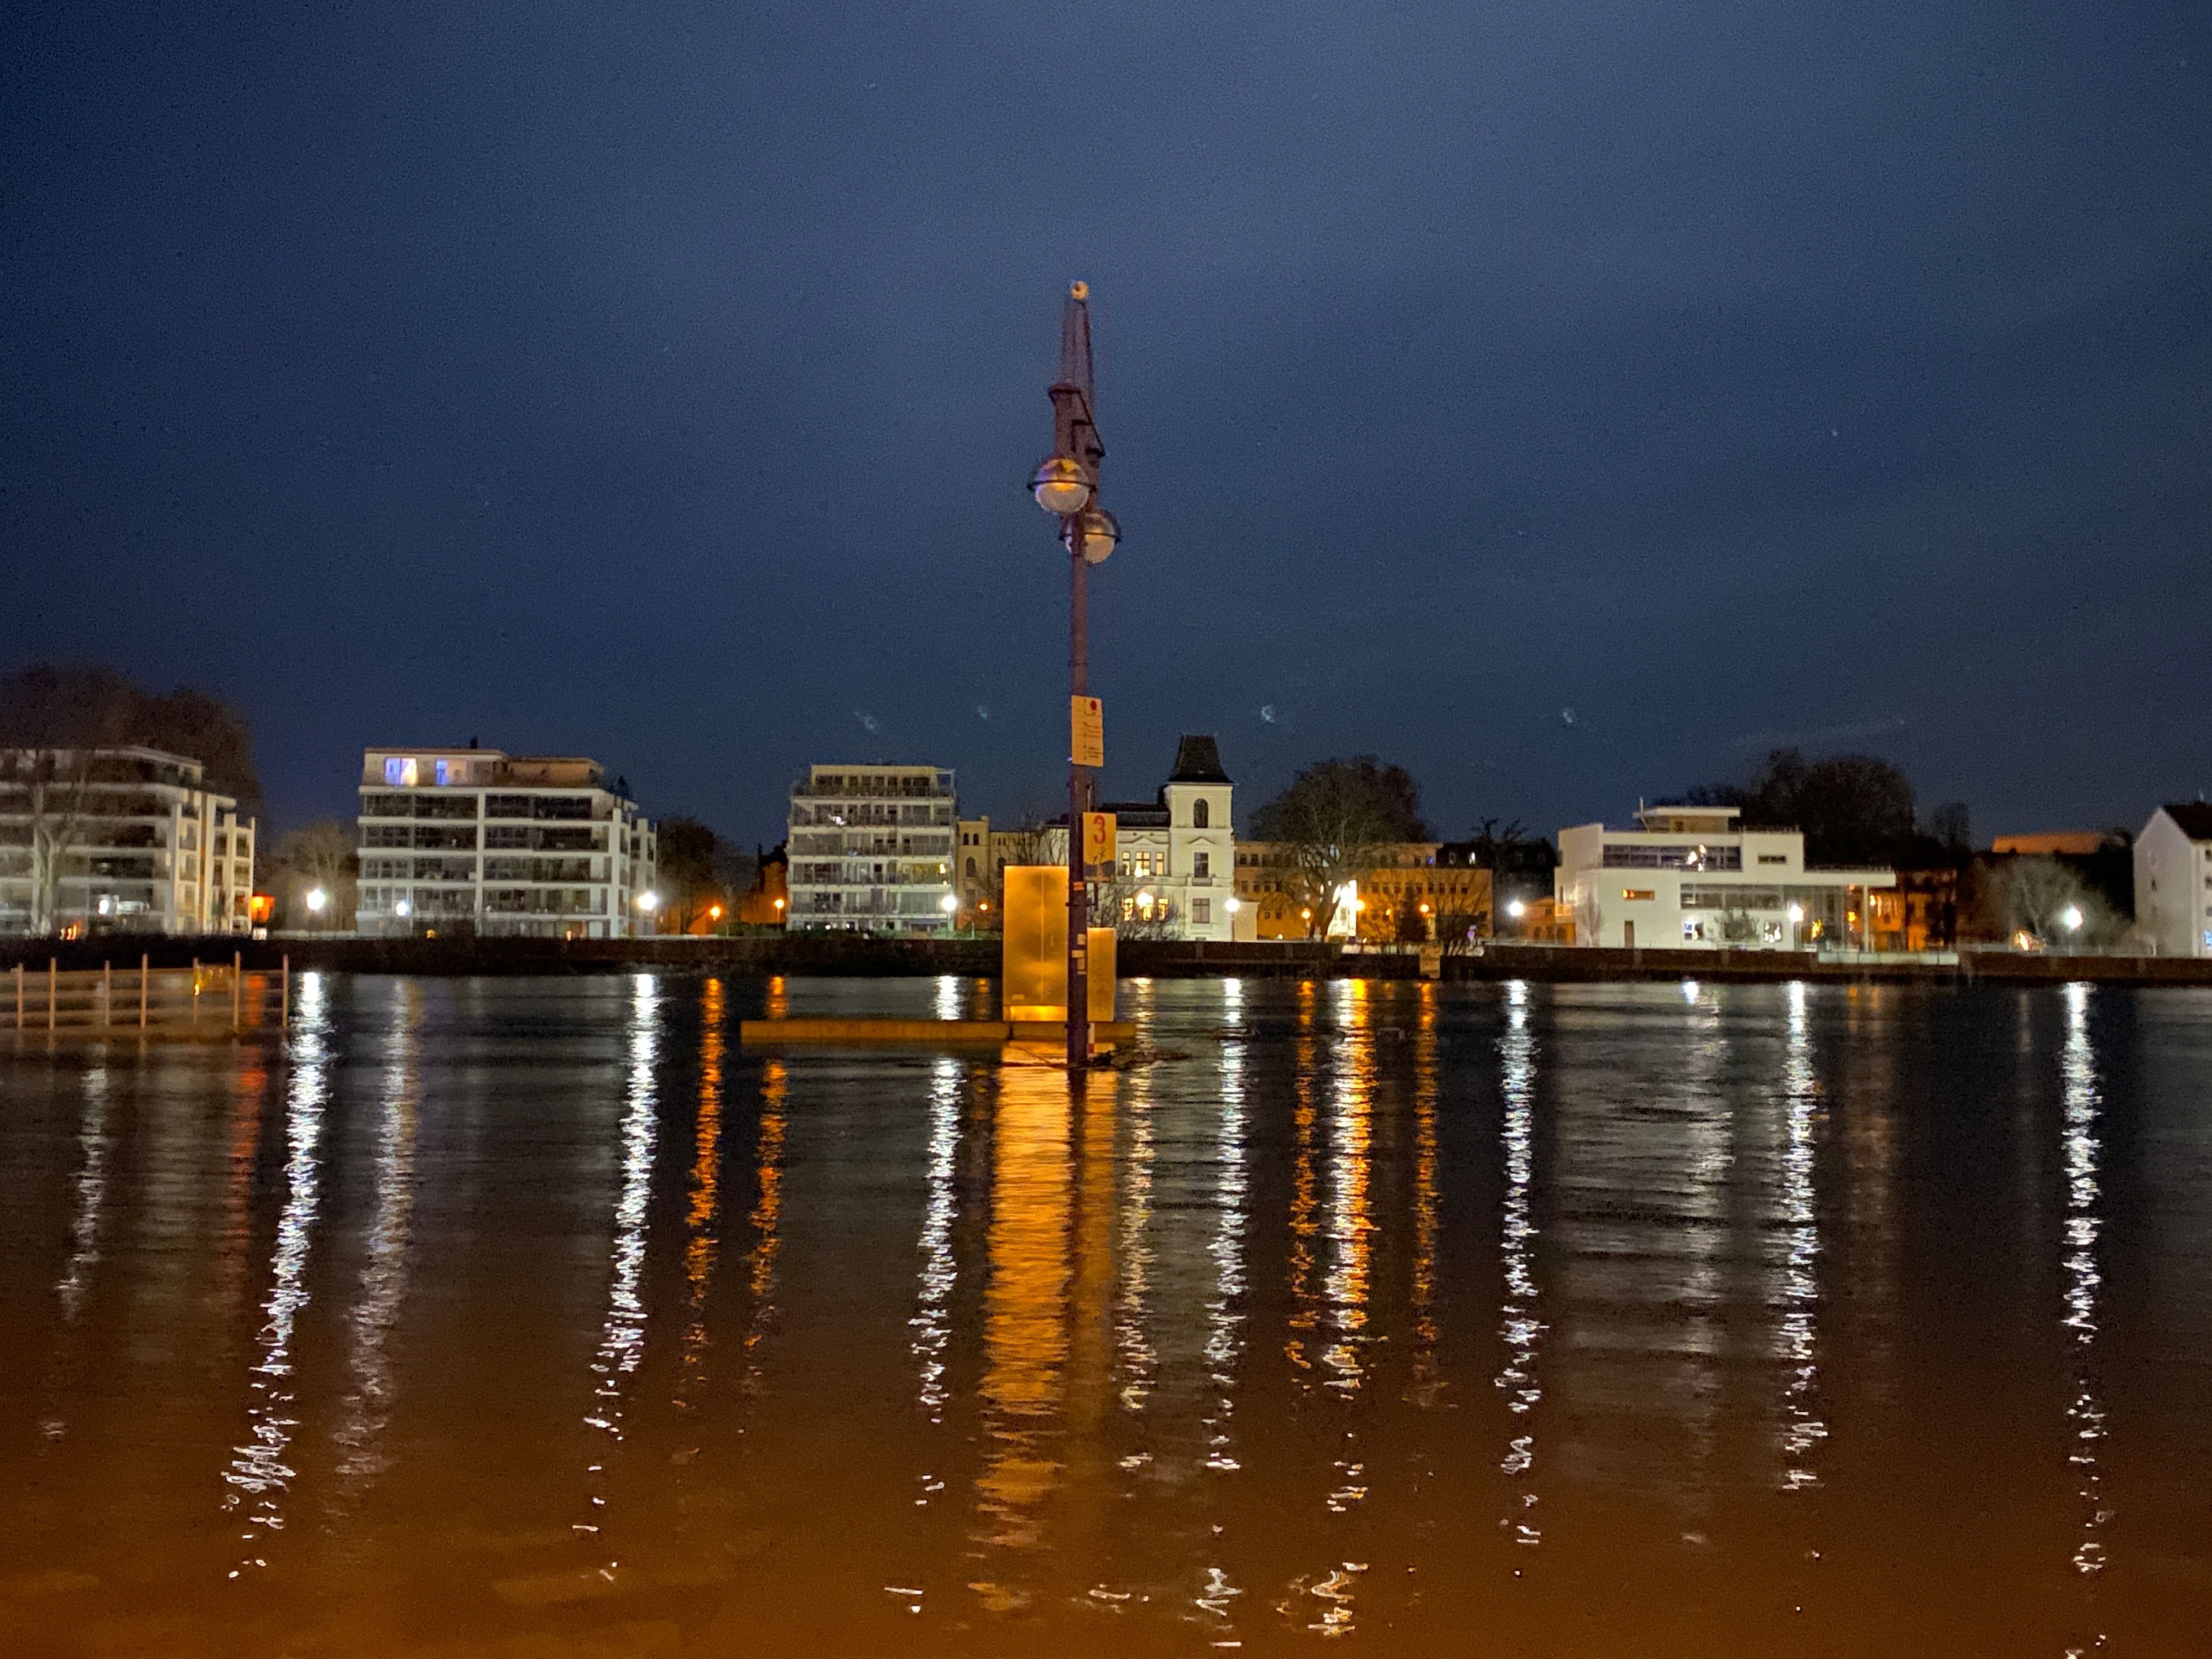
108, 993
143, 960
1079, 778
19, 996
54, 988
285, 1003
196, 992
237, 988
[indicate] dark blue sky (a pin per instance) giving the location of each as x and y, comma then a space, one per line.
657, 382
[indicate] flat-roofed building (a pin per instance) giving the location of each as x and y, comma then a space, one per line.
1691, 877
122, 840
478, 841
872, 849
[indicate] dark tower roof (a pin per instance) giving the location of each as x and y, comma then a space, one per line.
1198, 760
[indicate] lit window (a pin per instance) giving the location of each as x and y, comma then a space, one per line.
1636, 894
400, 771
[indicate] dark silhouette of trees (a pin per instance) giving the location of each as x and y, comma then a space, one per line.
86, 706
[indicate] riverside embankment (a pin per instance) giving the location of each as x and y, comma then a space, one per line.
848, 956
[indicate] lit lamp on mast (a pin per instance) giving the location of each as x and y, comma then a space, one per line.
1066, 485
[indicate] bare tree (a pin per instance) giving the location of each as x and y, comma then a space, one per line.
48, 787
2041, 897
319, 855
1332, 824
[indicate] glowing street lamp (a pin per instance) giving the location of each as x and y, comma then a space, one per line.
1516, 910
1061, 486
2070, 918
317, 901
402, 908
1066, 485
649, 902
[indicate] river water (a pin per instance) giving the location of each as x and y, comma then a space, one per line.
539, 1317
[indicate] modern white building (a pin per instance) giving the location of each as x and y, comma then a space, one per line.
2173, 880
459, 841
126, 840
1691, 877
1175, 856
872, 849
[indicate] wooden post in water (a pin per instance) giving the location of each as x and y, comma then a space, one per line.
108, 993
53, 989
142, 960
237, 989
19, 996
196, 991
284, 1003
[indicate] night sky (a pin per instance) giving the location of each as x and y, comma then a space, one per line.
1565, 400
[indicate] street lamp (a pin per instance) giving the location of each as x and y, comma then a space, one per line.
317, 901
1516, 910
1066, 485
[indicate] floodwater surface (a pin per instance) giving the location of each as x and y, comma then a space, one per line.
539, 1317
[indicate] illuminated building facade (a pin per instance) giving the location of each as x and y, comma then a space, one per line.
871, 849
1175, 856
122, 841
1408, 892
462, 840
1690, 878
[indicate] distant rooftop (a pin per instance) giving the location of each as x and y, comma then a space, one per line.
2194, 816
1679, 819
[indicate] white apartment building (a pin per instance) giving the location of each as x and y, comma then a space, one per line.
1691, 877
2173, 880
125, 841
1175, 856
472, 840
872, 849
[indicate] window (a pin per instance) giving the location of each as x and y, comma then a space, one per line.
1636, 894
1201, 864
971, 869
1201, 816
1774, 857
1201, 911
400, 771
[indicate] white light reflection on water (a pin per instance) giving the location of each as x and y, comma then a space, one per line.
1136, 1360
1802, 1429
258, 1476
1225, 1310
932, 1323
1345, 1287
75, 1284
1520, 1328
91, 1198
2078, 1076
621, 1335
948, 996
383, 1277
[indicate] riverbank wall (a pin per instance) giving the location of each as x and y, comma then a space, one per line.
835, 955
